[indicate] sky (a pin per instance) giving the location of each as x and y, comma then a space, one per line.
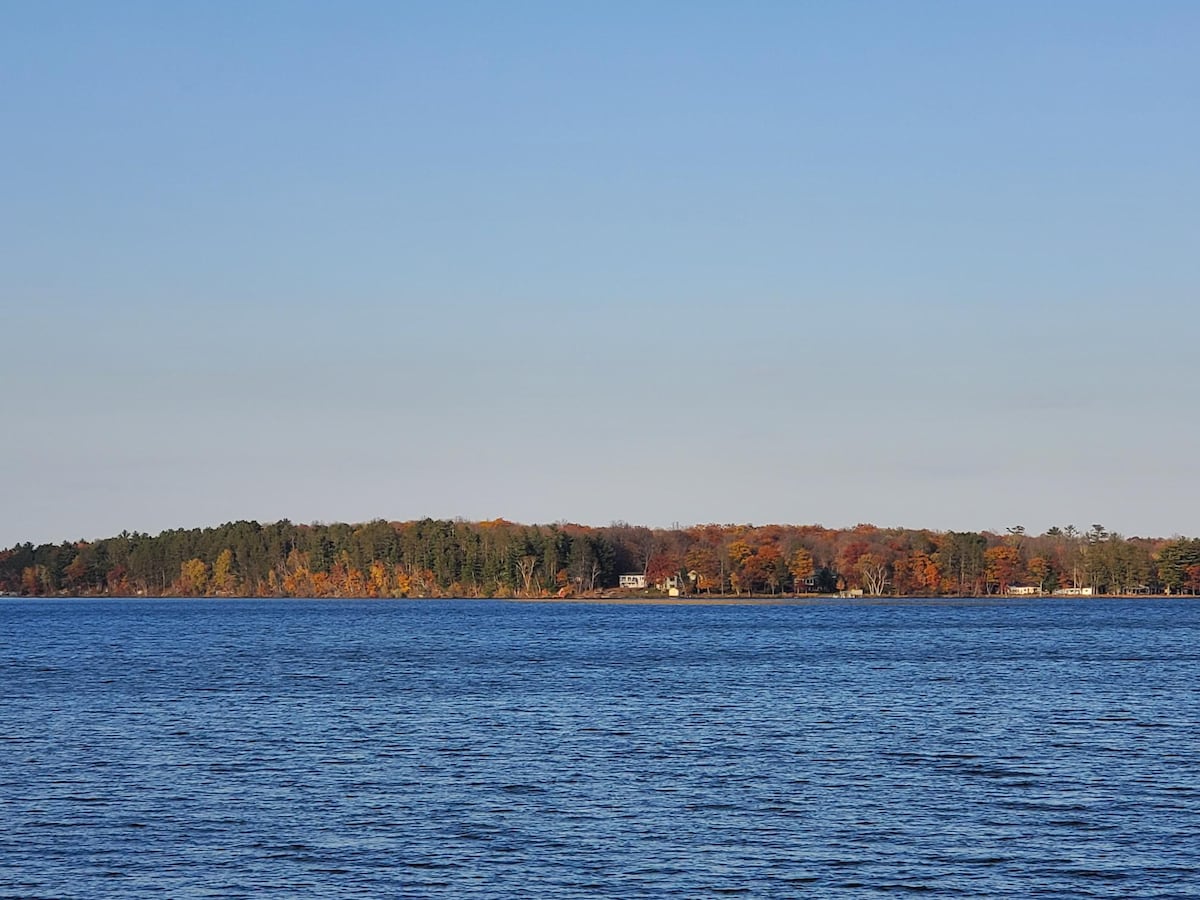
928, 264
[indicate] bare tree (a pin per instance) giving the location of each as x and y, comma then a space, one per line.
874, 572
526, 565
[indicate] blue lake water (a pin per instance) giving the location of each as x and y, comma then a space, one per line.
475, 749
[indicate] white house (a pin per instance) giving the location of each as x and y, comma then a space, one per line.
633, 581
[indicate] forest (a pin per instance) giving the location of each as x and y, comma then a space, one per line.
502, 559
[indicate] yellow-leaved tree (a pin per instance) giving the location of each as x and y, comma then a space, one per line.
193, 577
802, 568
223, 579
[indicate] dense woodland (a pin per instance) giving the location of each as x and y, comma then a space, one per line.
441, 558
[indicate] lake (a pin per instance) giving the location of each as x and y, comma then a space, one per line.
249, 748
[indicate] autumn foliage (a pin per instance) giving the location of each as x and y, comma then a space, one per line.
502, 559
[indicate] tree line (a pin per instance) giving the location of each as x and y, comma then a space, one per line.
501, 559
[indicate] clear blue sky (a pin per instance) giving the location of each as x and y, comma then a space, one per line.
921, 264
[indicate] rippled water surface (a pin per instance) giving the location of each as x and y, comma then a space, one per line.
471, 749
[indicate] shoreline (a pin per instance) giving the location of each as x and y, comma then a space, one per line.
647, 600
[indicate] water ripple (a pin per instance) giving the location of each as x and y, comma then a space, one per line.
486, 750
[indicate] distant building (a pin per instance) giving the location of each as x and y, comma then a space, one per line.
637, 582
1075, 592
1024, 590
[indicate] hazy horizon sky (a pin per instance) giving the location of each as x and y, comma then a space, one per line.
924, 264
